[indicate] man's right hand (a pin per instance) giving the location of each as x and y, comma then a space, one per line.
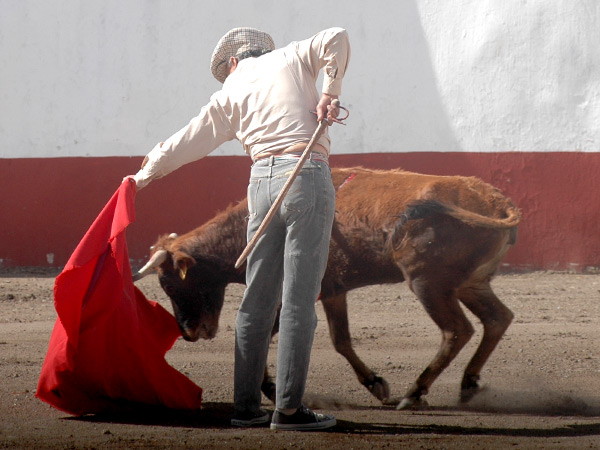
327, 109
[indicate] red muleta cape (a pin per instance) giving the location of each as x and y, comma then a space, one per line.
107, 349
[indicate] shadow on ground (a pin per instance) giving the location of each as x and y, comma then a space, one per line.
394, 429
218, 415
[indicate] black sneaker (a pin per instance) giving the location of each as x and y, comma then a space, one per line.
302, 419
249, 418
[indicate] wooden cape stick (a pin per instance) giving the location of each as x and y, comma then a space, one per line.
286, 187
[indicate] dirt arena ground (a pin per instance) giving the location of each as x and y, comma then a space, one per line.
542, 383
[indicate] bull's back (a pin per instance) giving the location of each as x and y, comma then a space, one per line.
375, 195
369, 206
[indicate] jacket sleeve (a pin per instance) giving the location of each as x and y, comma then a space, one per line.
328, 49
198, 138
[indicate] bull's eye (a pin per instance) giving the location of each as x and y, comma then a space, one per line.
170, 290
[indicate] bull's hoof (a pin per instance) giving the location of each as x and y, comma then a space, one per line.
467, 394
412, 403
469, 388
380, 389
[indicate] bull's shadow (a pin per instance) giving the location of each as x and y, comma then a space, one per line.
572, 430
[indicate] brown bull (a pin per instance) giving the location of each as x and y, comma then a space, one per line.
444, 236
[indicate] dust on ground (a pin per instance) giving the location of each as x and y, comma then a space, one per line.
542, 384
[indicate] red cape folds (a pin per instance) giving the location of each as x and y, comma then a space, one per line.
107, 349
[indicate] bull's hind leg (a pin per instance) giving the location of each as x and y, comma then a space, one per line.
443, 307
336, 310
495, 317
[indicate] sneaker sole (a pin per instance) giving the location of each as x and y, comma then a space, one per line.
304, 427
249, 423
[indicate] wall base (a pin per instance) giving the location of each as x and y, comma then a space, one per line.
48, 204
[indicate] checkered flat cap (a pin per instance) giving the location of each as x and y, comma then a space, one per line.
234, 43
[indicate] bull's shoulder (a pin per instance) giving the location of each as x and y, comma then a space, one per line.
229, 223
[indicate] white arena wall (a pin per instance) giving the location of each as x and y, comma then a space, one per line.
507, 91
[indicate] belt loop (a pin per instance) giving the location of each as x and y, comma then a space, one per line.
271, 160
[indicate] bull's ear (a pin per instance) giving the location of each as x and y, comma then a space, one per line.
183, 262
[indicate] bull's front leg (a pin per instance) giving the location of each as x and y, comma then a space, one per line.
268, 386
336, 310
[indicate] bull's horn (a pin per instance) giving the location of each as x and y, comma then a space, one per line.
157, 259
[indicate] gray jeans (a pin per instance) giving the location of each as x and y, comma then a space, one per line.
287, 264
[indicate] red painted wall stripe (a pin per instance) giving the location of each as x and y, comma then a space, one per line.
47, 204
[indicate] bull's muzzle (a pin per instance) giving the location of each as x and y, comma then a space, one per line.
200, 331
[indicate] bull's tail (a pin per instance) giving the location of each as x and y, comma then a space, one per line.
424, 208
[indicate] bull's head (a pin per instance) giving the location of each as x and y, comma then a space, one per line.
195, 288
